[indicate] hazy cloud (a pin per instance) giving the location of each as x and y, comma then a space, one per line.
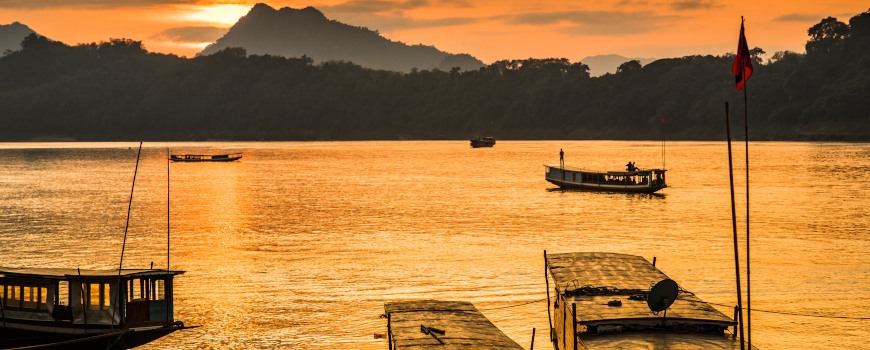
191, 34
34, 4
604, 23
796, 17
390, 23
388, 16
693, 5
631, 3
374, 6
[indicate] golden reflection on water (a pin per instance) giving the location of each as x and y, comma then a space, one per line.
299, 244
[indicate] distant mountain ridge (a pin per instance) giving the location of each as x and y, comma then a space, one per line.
603, 64
11, 36
296, 32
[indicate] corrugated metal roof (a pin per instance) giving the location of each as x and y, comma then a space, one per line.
572, 271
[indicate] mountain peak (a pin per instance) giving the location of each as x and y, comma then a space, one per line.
293, 32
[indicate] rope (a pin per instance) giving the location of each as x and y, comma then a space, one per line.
792, 313
510, 306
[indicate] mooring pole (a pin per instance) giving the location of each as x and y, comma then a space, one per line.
734, 225
532, 347
748, 283
547, 282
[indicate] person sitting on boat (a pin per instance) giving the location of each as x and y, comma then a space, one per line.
630, 166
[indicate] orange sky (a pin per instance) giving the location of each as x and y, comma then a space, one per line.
487, 29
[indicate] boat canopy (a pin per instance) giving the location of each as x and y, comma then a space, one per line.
612, 173
66, 274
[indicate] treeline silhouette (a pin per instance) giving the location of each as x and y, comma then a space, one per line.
116, 90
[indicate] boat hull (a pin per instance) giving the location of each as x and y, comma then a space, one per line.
11, 338
605, 187
479, 144
206, 160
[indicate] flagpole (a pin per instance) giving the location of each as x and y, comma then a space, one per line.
746, 140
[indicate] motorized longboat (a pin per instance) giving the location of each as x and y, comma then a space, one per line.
632, 180
205, 157
437, 324
602, 301
482, 142
81, 309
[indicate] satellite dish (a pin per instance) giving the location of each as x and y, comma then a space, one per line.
662, 295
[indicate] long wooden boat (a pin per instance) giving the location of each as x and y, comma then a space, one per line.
57, 308
437, 324
205, 157
636, 181
600, 303
482, 142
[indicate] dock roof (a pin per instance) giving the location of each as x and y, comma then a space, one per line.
577, 275
64, 273
463, 325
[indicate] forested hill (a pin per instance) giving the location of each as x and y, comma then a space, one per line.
11, 36
116, 90
307, 32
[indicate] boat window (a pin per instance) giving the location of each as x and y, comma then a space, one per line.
13, 299
63, 293
160, 290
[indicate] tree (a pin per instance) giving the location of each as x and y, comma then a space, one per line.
629, 66
827, 36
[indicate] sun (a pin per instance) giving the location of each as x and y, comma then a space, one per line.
218, 14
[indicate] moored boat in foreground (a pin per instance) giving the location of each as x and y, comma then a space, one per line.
632, 180
605, 301
205, 157
482, 142
57, 308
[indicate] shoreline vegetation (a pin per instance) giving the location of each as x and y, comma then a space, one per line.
116, 91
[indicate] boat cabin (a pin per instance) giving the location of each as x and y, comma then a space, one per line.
637, 180
599, 302
74, 301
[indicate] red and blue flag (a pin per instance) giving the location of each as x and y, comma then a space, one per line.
742, 67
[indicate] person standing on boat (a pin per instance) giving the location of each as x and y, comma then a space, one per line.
561, 158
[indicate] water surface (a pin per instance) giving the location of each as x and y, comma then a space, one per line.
299, 244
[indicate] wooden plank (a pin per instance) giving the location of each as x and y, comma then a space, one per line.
463, 325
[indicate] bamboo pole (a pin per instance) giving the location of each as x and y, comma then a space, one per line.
126, 228
734, 225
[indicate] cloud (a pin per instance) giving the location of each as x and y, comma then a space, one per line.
796, 17
602, 23
190, 34
373, 6
389, 16
693, 5
34, 4
631, 3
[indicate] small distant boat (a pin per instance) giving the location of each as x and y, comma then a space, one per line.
410, 138
482, 142
632, 180
205, 158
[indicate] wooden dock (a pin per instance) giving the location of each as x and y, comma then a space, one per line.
586, 282
443, 325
